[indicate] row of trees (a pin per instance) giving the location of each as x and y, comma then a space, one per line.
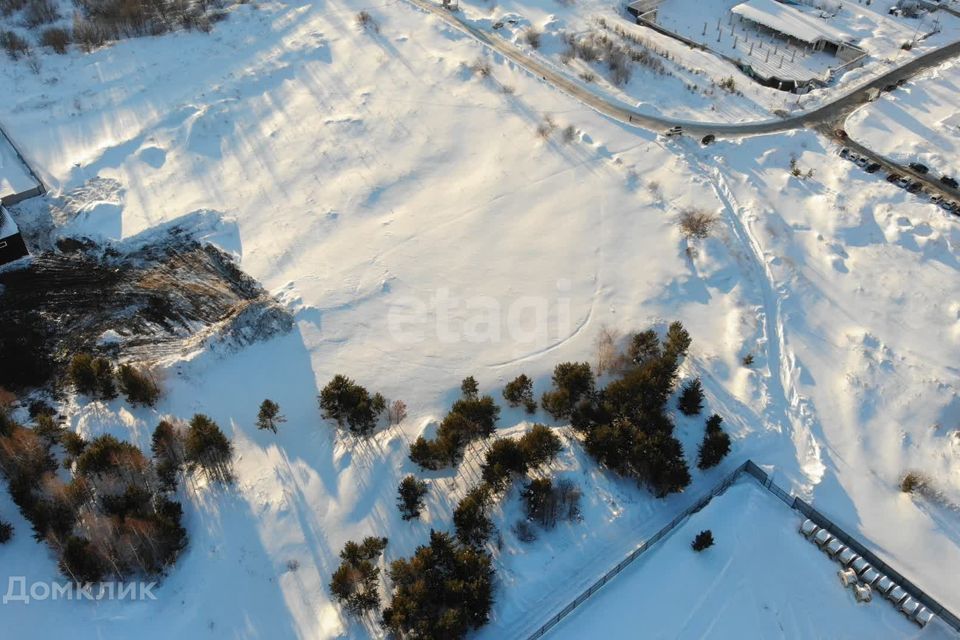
470, 418
96, 377
625, 425
114, 515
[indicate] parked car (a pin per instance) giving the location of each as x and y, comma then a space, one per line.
919, 168
673, 131
893, 177
845, 153
915, 187
862, 162
903, 183
890, 87
873, 167
707, 139
950, 182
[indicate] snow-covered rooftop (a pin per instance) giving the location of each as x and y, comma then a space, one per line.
14, 177
790, 21
7, 226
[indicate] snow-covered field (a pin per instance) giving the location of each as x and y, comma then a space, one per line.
916, 123
406, 210
761, 579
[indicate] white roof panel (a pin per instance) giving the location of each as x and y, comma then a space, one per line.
790, 21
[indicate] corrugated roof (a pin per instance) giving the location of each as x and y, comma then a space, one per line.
790, 21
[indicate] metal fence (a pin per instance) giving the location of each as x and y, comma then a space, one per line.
722, 486
764, 479
826, 523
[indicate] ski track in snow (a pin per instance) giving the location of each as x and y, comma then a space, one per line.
786, 406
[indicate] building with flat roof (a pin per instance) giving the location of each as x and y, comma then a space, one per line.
794, 24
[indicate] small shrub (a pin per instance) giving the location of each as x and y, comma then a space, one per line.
524, 532
57, 38
546, 128
569, 133
40, 12
728, 84
532, 37
6, 532
703, 540
481, 67
15, 46
747, 360
913, 481
696, 223
367, 21
88, 34
397, 412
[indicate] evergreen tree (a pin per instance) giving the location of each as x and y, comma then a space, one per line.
410, 496
441, 592
207, 448
92, 377
350, 405
715, 445
422, 453
690, 401
355, 582
677, 342
572, 381
644, 346
470, 518
269, 416
504, 458
138, 386
703, 540
469, 387
519, 391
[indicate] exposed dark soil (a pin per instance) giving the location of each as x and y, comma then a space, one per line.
155, 297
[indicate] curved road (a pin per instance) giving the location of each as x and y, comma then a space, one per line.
831, 112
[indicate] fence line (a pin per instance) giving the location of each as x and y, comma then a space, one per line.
722, 486
792, 501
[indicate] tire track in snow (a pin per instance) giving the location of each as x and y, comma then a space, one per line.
787, 406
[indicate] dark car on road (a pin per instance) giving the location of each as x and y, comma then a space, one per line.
950, 182
893, 177
919, 168
873, 167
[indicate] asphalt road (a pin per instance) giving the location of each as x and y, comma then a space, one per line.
835, 111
